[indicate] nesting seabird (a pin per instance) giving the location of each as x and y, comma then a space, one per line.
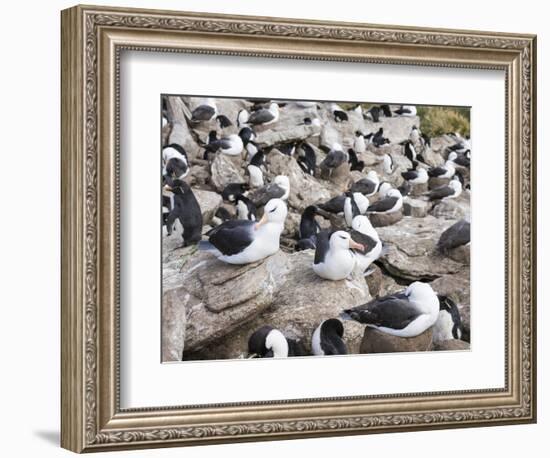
460, 159
354, 205
186, 209
255, 170
268, 342
221, 215
244, 241
327, 339
231, 145
245, 208
450, 191
334, 259
444, 171
368, 185
264, 116
278, 189
388, 164
406, 110
364, 233
334, 205
409, 151
383, 188
232, 190
418, 176
247, 135
208, 111
456, 235
391, 203
386, 110
378, 138
449, 323
374, 114
354, 162
405, 314
242, 117
414, 135
175, 151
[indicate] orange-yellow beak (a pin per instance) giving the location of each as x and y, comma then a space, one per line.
357, 246
262, 221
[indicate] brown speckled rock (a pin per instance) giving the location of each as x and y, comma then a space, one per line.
451, 345
375, 341
385, 219
415, 207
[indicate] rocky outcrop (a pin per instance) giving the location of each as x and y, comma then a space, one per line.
411, 249
224, 171
209, 202
451, 345
415, 207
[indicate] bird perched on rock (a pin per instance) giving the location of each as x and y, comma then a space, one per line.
406, 110
368, 185
392, 202
454, 236
378, 138
365, 234
409, 151
355, 163
415, 135
339, 114
388, 164
245, 208
264, 116
386, 110
418, 176
232, 190
207, 111
334, 259
255, 170
268, 342
327, 339
186, 209
308, 224
383, 188
374, 114
242, 117
308, 160
278, 189
462, 159
449, 323
177, 155
359, 143
444, 171
405, 314
335, 157
231, 145
355, 204
450, 191
244, 241
334, 205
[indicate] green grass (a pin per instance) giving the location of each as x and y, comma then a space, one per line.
436, 121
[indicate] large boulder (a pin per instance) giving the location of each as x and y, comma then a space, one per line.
224, 171
454, 209
451, 345
375, 341
209, 202
457, 287
300, 301
415, 207
304, 189
412, 254
385, 219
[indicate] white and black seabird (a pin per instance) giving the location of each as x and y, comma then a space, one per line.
255, 170
374, 113
388, 164
244, 241
264, 116
405, 314
415, 135
378, 138
354, 205
418, 176
179, 165
328, 338
364, 233
334, 205
354, 162
339, 113
307, 161
391, 203
186, 209
245, 208
383, 188
308, 224
368, 185
232, 190
462, 159
449, 323
456, 235
444, 171
450, 191
242, 117
207, 111
231, 145
359, 143
268, 342
409, 151
334, 259
406, 110
279, 188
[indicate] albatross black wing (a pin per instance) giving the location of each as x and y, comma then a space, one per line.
383, 205
322, 247
368, 242
441, 192
233, 236
260, 117
203, 113
394, 312
437, 171
456, 235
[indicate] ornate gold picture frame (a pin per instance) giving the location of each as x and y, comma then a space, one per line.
93, 39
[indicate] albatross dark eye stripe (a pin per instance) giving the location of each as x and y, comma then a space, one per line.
271, 211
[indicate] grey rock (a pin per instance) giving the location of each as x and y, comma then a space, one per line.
411, 249
457, 287
418, 190
451, 345
454, 209
174, 320
209, 202
385, 219
224, 171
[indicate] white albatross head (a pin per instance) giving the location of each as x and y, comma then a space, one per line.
275, 211
277, 343
423, 296
341, 240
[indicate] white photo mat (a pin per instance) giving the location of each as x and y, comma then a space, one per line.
146, 382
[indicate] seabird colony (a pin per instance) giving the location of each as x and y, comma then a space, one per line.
339, 230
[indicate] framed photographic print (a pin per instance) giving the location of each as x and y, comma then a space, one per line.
278, 228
